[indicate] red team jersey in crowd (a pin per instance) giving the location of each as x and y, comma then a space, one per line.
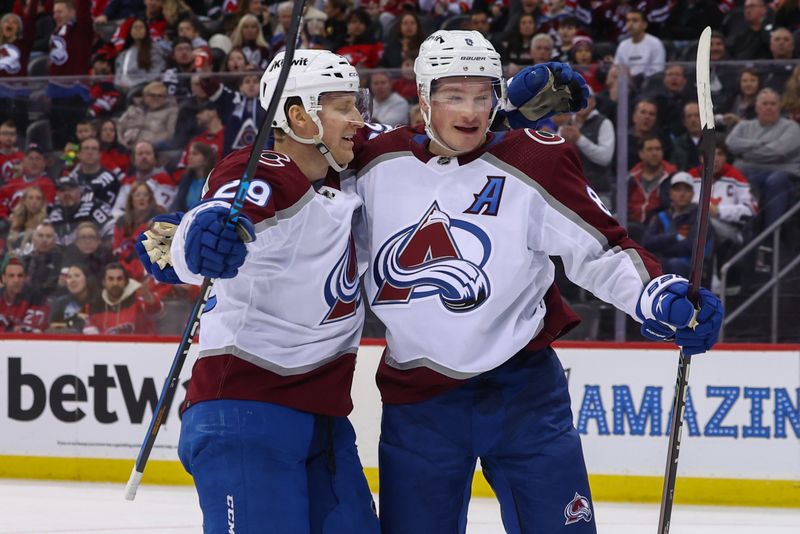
28, 312
286, 329
132, 315
459, 253
10, 165
730, 192
11, 193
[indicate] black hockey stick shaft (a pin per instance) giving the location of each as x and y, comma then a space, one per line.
173, 379
707, 147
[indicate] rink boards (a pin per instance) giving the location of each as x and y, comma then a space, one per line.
78, 408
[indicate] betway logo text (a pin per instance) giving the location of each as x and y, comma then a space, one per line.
140, 400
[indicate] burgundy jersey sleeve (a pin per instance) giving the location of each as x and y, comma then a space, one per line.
278, 183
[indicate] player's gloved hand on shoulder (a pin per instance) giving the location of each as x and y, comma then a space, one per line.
153, 247
667, 313
539, 91
213, 250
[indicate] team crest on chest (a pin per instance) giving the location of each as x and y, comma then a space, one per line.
437, 257
342, 291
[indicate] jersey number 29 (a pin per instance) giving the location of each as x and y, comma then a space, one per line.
258, 193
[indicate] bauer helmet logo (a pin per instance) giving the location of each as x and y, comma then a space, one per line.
470, 42
578, 509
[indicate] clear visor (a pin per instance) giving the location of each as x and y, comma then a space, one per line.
352, 107
466, 94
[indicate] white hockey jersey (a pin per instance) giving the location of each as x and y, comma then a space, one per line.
287, 327
459, 253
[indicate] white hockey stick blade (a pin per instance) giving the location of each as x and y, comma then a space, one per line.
704, 81
133, 484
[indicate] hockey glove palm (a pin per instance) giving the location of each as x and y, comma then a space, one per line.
666, 314
153, 247
213, 250
535, 93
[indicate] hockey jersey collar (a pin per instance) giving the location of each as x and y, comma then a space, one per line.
420, 143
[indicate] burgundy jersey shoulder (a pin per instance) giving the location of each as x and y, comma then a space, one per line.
370, 143
278, 184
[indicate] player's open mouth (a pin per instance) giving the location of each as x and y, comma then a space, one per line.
467, 129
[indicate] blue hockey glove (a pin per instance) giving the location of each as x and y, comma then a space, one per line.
540, 91
153, 247
666, 314
211, 249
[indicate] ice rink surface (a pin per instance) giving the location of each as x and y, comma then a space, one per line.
44, 507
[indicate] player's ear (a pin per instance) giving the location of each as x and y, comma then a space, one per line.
299, 120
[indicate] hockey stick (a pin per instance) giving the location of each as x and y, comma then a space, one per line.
172, 381
707, 146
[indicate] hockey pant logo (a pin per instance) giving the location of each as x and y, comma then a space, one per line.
578, 509
231, 517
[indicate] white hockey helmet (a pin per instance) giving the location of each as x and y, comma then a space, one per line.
313, 73
457, 53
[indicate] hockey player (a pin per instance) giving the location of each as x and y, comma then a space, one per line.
457, 225
302, 386
265, 431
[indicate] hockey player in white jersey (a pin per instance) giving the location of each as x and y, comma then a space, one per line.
458, 225
264, 432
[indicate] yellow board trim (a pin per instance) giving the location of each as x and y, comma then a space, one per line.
615, 488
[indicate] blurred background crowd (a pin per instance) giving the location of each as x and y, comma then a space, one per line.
112, 111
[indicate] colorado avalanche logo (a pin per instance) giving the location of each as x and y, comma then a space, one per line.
578, 509
342, 291
424, 260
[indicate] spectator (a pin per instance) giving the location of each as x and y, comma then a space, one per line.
125, 307
174, 12
515, 50
406, 84
88, 249
251, 7
70, 311
277, 42
642, 53
742, 105
242, 111
788, 15
83, 130
648, 185
140, 207
212, 131
153, 120
28, 214
44, 29
567, 30
685, 151
16, 42
140, 61
43, 264
645, 121
749, 38
190, 29
336, 23
688, 19
359, 46
671, 96
479, 21
155, 23
33, 173
103, 94
415, 115
248, 38
524, 7
791, 95
10, 154
767, 149
199, 162
387, 106
71, 210
97, 182
113, 156
120, 9
177, 78
781, 44
403, 42
671, 234
722, 78
732, 206
22, 308
236, 61
70, 52
541, 48
581, 57
593, 136
159, 181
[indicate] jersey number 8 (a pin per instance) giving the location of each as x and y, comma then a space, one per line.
258, 193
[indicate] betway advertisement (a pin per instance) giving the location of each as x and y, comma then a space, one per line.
94, 399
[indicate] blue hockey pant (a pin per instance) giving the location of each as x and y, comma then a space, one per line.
261, 468
517, 419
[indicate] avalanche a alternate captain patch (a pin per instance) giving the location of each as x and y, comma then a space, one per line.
439, 256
